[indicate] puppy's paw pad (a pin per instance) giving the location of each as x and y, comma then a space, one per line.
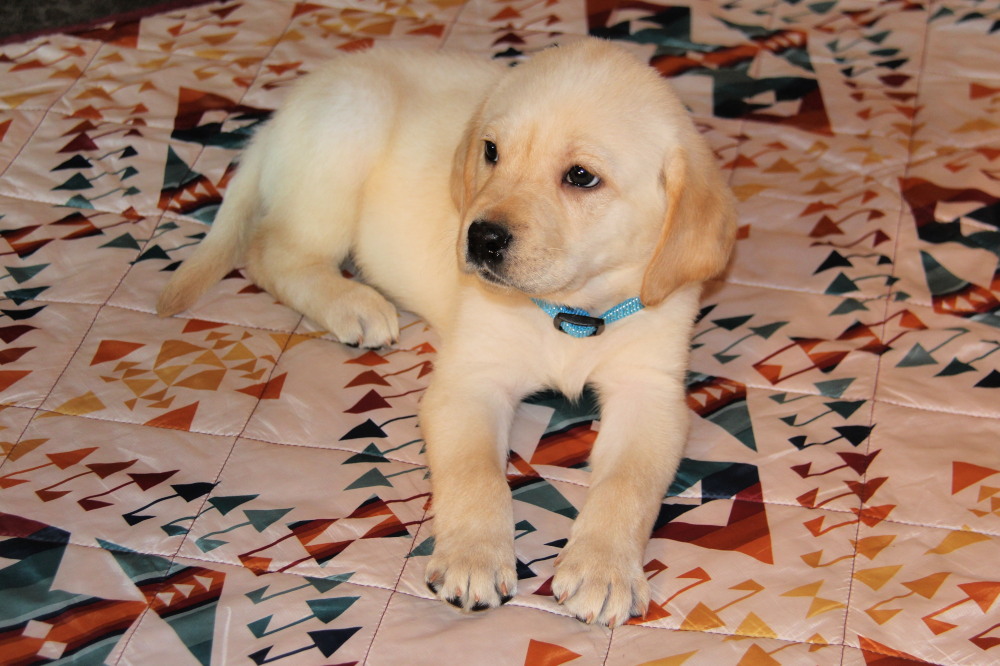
599, 589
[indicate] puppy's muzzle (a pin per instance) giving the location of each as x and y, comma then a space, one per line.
487, 244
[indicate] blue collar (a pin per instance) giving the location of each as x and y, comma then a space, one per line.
579, 323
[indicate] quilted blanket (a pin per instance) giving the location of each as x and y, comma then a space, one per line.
231, 486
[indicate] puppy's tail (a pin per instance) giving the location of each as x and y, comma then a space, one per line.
222, 249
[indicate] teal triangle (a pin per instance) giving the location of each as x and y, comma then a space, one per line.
543, 494
330, 582
525, 527
75, 182
261, 519
327, 610
849, 305
834, 388
25, 273
125, 241
132, 191
371, 454
767, 330
725, 358
955, 367
372, 477
128, 172
845, 408
732, 323
841, 285
259, 627
940, 280
734, 418
257, 595
174, 530
226, 503
691, 472
139, 567
915, 357
79, 201
207, 545
195, 629
176, 172
790, 420
425, 547
19, 296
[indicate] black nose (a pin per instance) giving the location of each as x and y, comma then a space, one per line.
487, 243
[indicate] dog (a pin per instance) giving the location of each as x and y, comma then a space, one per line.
553, 221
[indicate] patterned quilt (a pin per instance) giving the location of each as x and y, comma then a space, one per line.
233, 487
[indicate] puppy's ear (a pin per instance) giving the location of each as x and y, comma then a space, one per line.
699, 229
463, 170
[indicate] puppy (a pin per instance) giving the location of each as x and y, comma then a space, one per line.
554, 222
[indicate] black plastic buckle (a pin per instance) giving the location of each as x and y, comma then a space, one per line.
595, 323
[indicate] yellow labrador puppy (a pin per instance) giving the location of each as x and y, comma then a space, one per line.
552, 221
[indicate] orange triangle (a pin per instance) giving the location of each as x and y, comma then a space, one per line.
819, 606
172, 349
69, 458
112, 350
882, 616
210, 358
964, 475
927, 586
870, 547
207, 380
757, 656
169, 374
938, 626
179, 419
877, 577
984, 594
702, 618
239, 352
957, 539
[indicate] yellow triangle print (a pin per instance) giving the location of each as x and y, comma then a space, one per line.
877, 577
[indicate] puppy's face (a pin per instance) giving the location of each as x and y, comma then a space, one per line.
562, 176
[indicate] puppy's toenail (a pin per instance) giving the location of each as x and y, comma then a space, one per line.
479, 606
432, 587
455, 601
504, 598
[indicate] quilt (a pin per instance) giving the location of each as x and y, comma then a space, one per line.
231, 486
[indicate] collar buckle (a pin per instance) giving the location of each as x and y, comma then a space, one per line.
586, 321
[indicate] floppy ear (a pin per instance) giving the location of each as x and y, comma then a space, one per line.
699, 229
463, 169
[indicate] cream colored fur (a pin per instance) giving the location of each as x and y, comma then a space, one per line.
381, 156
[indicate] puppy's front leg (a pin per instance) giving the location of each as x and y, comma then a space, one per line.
466, 421
644, 424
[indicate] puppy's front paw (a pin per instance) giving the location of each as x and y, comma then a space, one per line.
360, 316
598, 585
472, 574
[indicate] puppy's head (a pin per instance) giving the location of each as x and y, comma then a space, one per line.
582, 172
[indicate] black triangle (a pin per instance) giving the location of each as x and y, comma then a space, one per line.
834, 260
991, 380
854, 434
329, 641
366, 429
191, 491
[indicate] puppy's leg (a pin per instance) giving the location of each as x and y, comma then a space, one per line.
466, 422
644, 422
302, 271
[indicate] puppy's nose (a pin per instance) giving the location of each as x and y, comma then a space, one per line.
488, 242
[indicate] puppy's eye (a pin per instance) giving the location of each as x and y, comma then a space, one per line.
577, 176
490, 152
